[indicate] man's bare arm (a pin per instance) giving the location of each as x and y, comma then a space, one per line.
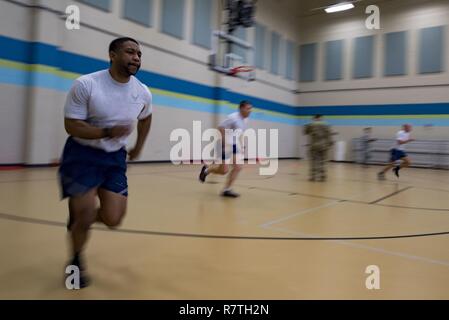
143, 128
81, 129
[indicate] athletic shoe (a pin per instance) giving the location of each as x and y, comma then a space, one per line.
381, 176
84, 278
230, 194
396, 171
203, 174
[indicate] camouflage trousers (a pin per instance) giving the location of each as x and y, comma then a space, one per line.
317, 164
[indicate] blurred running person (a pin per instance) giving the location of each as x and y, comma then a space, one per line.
237, 123
398, 152
100, 112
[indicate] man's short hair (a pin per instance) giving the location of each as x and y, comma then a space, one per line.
117, 43
317, 116
243, 103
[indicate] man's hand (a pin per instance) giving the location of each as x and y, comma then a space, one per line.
134, 153
118, 131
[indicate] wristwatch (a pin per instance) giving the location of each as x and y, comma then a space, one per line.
106, 132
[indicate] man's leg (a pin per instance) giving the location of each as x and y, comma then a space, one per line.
313, 165
220, 169
405, 162
381, 174
321, 156
388, 167
83, 212
112, 207
236, 168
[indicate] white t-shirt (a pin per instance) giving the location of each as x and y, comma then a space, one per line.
235, 122
103, 102
402, 136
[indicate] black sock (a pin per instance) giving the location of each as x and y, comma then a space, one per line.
76, 259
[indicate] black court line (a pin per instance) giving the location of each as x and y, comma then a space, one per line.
292, 193
390, 195
223, 237
288, 192
413, 208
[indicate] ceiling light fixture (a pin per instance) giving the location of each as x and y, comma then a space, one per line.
339, 7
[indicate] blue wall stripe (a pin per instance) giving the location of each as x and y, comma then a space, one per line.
182, 103
45, 54
78, 63
50, 81
15, 77
16, 50
178, 103
20, 51
38, 53
261, 103
154, 80
386, 109
385, 122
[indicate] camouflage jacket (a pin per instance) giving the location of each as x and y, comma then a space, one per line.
320, 136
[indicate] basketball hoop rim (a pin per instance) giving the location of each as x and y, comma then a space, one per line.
239, 69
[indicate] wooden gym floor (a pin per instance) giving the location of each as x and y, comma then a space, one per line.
180, 240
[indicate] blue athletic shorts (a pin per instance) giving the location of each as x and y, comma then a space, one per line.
84, 168
397, 155
225, 155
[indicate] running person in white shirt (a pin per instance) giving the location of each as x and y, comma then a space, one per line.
100, 112
234, 121
398, 152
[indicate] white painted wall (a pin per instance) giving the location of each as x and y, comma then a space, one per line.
13, 99
398, 15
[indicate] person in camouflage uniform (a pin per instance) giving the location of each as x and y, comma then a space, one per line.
320, 142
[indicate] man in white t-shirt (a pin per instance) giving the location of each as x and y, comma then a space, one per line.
231, 129
398, 152
100, 112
